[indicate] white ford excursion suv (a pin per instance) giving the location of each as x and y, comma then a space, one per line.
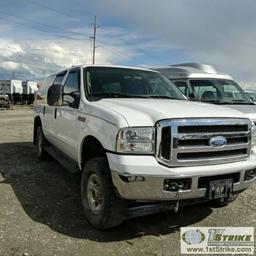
141, 148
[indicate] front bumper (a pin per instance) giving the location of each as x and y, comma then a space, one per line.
154, 174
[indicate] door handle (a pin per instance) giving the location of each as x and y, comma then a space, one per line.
55, 113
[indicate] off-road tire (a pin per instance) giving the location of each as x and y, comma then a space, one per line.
112, 209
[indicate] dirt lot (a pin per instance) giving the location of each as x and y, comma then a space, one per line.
40, 212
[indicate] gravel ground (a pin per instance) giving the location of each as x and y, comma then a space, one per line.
40, 211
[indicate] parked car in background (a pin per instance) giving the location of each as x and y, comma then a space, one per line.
140, 146
251, 95
5, 102
200, 82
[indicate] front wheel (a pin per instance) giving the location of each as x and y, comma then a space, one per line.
102, 207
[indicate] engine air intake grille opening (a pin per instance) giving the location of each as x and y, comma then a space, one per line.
196, 155
212, 128
166, 142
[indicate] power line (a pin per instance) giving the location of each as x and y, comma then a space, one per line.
42, 24
37, 29
51, 9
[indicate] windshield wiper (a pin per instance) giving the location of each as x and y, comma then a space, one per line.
237, 102
116, 95
162, 97
211, 101
232, 102
123, 95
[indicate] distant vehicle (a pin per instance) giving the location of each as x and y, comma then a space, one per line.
28, 93
251, 95
16, 90
12, 88
203, 83
140, 146
5, 102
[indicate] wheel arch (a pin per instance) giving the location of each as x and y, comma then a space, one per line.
90, 148
37, 123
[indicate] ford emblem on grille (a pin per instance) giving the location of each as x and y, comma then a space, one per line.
218, 141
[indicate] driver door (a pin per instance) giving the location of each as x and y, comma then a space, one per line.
68, 128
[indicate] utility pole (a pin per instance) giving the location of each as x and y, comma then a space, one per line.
95, 27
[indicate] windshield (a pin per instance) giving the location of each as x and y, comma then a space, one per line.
219, 91
111, 82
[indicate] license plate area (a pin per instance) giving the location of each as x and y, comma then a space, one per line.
220, 189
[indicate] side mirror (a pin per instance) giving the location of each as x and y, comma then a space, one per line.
71, 99
54, 95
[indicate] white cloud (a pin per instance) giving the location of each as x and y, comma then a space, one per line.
38, 58
5, 28
221, 33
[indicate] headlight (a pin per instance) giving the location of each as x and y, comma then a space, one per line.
136, 140
253, 135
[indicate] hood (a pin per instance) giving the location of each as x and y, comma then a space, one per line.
249, 110
146, 112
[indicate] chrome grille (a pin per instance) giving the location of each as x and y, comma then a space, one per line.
185, 142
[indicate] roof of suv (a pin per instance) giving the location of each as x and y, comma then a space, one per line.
192, 70
117, 66
107, 66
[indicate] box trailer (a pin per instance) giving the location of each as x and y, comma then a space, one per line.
5, 87
16, 91
29, 89
5, 91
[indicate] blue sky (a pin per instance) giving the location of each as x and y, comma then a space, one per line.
41, 37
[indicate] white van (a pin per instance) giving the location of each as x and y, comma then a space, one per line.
200, 82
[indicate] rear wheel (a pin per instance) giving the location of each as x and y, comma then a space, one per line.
41, 142
102, 207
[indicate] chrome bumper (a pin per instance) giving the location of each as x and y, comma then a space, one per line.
152, 187
154, 174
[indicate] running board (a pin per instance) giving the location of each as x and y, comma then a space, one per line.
144, 210
153, 208
64, 160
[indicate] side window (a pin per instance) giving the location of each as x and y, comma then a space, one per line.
71, 90
183, 87
59, 78
54, 92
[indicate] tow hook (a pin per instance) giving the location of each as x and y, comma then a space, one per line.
177, 205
